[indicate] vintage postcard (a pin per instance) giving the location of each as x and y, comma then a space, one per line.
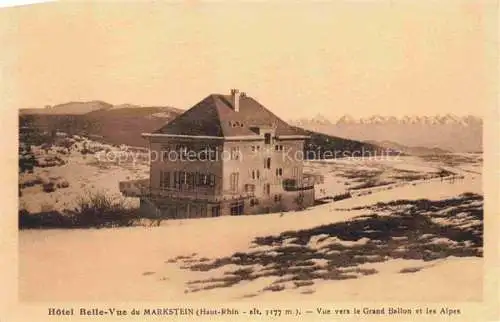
288, 161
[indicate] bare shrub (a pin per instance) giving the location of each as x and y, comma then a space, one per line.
49, 161
94, 210
299, 201
301, 283
49, 219
29, 180
342, 196
274, 288
410, 270
63, 183
98, 209
49, 187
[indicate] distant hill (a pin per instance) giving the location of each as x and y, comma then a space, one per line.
410, 150
447, 132
70, 108
121, 124
324, 146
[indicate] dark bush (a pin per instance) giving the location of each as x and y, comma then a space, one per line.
49, 187
342, 196
100, 210
95, 210
49, 219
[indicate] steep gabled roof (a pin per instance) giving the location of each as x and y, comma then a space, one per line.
215, 116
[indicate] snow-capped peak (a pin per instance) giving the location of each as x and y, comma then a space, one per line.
448, 119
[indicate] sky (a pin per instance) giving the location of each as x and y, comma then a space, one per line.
298, 59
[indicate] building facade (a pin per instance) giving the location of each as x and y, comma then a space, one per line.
227, 155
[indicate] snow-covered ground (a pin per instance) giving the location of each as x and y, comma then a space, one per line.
376, 174
345, 250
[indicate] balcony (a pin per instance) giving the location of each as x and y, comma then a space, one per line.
295, 185
195, 194
140, 188
307, 182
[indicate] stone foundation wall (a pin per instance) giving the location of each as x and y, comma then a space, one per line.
285, 201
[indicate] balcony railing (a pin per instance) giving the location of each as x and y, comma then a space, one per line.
196, 194
140, 188
306, 182
314, 178
292, 185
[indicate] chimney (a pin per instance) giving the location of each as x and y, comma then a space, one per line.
235, 97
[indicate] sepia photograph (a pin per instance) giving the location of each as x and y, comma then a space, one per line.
188, 155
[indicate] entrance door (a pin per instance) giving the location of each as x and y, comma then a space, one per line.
237, 208
215, 211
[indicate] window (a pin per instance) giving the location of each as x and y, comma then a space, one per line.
255, 174
164, 156
165, 149
249, 188
180, 178
255, 148
254, 202
182, 151
164, 179
279, 172
233, 181
212, 153
207, 153
267, 138
190, 179
177, 179
267, 189
235, 153
277, 198
267, 163
203, 179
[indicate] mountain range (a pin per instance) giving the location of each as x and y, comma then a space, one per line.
443, 132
